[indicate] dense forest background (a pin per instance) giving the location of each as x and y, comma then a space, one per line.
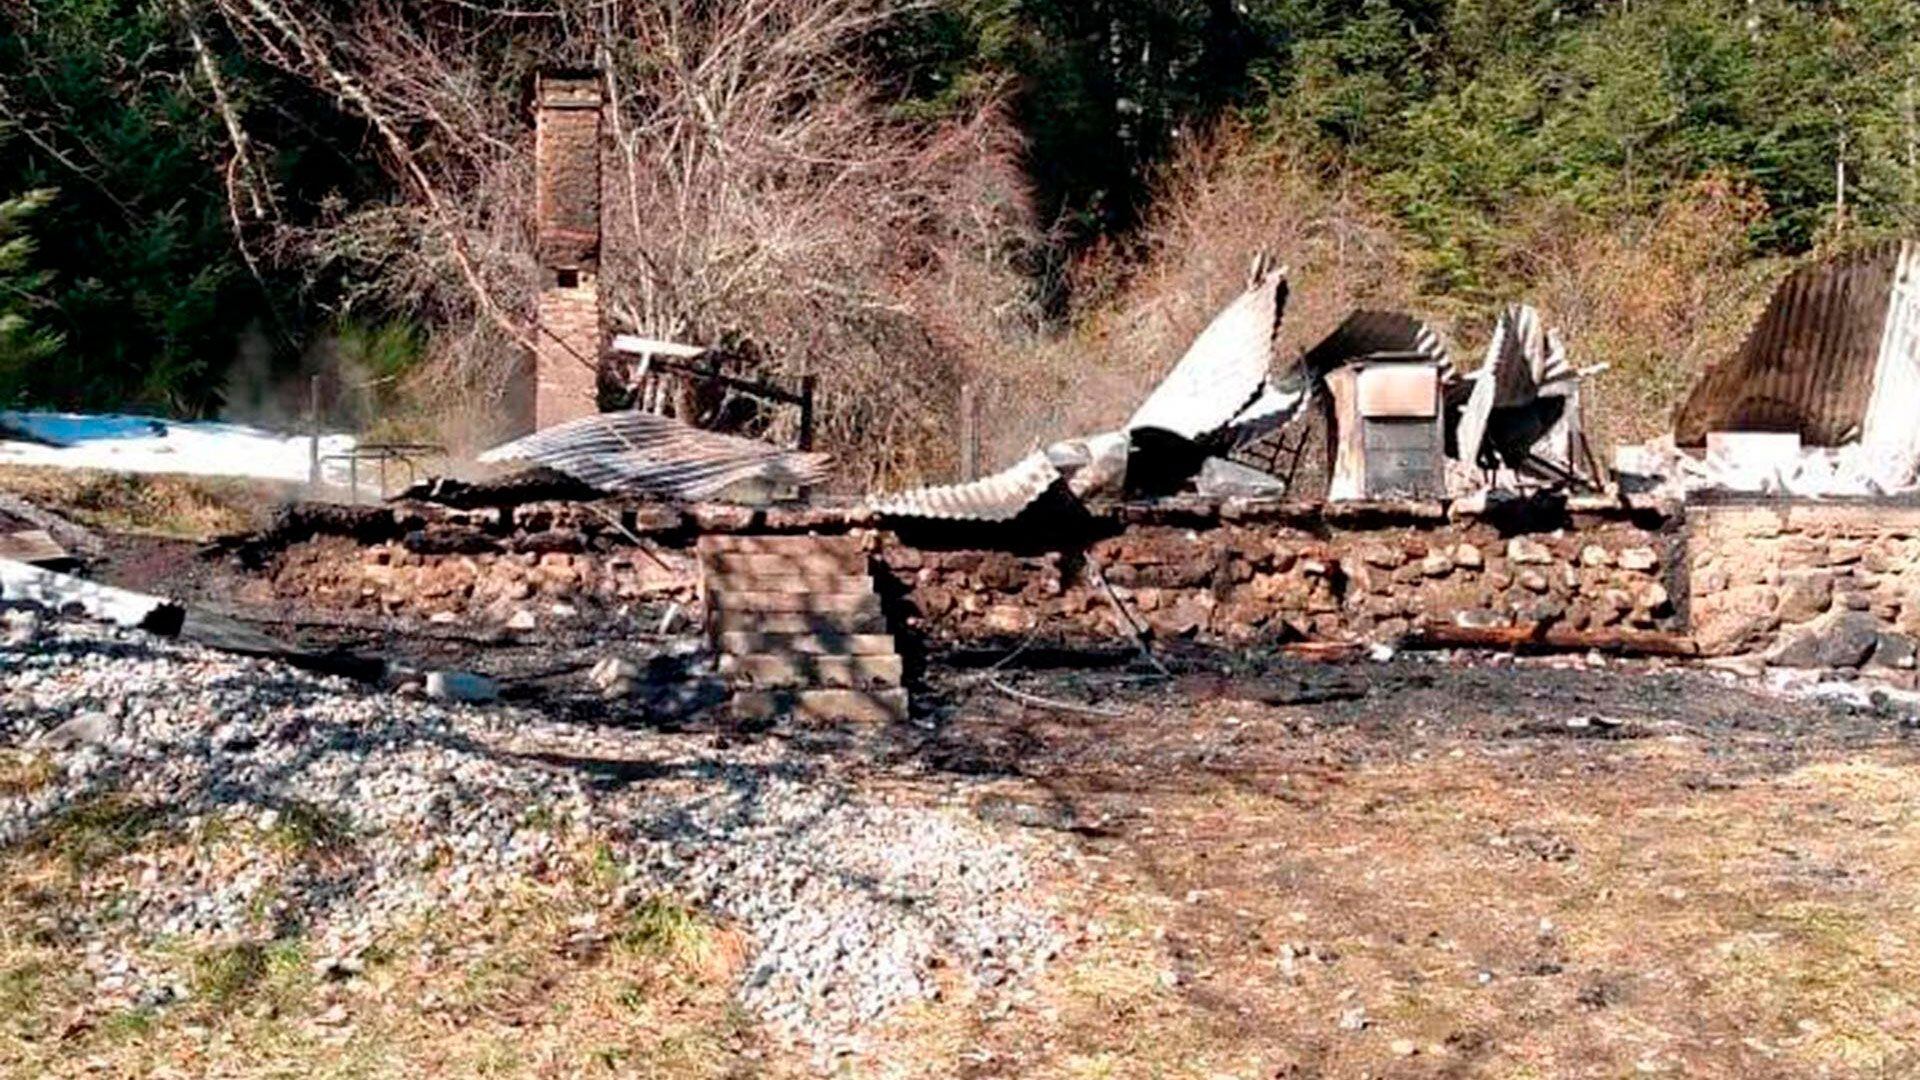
203, 202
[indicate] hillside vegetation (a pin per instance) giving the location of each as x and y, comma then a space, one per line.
203, 200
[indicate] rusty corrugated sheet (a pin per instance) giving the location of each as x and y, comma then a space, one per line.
1000, 497
1809, 364
1224, 370
642, 453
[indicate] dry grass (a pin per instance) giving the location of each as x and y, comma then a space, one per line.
174, 506
24, 772
556, 979
1658, 298
1497, 910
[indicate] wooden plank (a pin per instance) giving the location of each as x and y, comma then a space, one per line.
767, 671
51, 589
809, 603
34, 546
74, 538
745, 642
839, 706
780, 545
1533, 637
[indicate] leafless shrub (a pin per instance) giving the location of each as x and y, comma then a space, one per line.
759, 192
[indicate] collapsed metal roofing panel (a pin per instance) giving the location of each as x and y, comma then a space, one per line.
1810, 363
1889, 423
1524, 358
1221, 375
1225, 368
1371, 333
1000, 497
644, 453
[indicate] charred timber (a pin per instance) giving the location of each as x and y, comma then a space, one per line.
1548, 638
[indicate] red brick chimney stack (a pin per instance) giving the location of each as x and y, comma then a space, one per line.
569, 333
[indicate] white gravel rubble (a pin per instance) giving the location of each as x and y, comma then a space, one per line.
850, 900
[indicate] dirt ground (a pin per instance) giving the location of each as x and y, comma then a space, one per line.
1466, 870
1414, 869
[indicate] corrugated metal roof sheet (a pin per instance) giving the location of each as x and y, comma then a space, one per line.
1000, 497
1224, 369
1221, 374
1810, 362
648, 454
1365, 333
1523, 356
1889, 426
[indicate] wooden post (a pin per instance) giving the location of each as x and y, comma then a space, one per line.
313, 435
806, 412
969, 433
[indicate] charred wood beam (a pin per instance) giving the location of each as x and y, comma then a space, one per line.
1536, 637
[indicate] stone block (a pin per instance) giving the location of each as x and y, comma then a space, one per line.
1639, 559
1893, 651
1733, 619
1382, 556
1842, 639
1523, 551
1805, 595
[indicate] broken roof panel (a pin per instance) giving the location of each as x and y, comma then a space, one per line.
1372, 333
642, 453
1224, 370
1000, 497
1810, 364
1524, 359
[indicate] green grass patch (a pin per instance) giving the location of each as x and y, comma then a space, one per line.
277, 971
20, 987
94, 832
305, 829
135, 1023
23, 773
662, 927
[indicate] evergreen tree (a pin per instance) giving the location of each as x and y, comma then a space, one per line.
25, 344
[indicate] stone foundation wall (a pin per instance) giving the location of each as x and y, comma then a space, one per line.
481, 591
1241, 584
1818, 585
1291, 576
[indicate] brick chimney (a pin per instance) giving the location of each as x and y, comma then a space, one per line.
569, 334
